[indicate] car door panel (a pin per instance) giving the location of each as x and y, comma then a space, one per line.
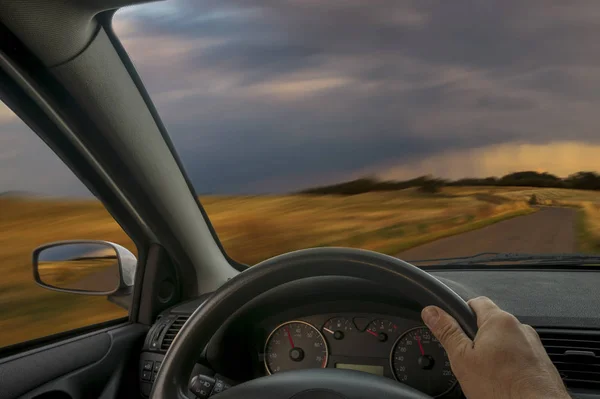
93, 365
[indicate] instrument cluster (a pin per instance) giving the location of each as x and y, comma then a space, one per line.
379, 344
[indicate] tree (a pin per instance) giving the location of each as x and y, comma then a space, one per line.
431, 185
531, 179
584, 181
428, 184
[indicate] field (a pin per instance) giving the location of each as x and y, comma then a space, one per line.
256, 228
252, 228
81, 274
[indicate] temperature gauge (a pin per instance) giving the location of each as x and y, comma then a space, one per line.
382, 330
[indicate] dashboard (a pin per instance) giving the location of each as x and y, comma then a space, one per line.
343, 322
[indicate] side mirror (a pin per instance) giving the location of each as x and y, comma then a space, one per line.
85, 267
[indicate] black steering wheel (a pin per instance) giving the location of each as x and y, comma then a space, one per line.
424, 289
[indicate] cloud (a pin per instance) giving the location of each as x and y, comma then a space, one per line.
274, 93
561, 158
28, 165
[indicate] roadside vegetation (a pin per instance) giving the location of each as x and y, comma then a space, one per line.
254, 228
429, 184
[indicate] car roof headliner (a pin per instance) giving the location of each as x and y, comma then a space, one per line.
56, 30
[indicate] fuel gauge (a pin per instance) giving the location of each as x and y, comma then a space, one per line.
338, 327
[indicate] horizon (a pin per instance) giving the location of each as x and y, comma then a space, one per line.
302, 190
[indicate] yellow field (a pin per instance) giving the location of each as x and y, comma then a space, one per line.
69, 274
252, 228
256, 228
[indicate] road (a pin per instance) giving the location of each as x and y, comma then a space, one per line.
103, 280
550, 230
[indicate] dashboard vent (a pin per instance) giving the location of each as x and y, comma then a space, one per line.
172, 332
576, 356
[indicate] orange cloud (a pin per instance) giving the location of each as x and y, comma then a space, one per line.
561, 158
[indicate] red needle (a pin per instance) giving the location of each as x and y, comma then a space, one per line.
373, 333
420, 345
287, 330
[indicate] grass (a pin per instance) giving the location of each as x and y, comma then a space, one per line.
252, 228
591, 227
588, 227
69, 274
259, 227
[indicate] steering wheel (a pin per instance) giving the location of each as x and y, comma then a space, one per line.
424, 289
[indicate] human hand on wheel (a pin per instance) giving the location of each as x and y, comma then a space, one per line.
506, 360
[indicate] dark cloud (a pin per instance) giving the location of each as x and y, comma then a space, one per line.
263, 61
279, 91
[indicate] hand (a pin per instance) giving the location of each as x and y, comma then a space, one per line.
506, 360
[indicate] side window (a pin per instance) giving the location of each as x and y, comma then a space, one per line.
42, 201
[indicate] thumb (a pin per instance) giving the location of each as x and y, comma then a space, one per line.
446, 329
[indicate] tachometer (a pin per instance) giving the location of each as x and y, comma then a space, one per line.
419, 360
295, 345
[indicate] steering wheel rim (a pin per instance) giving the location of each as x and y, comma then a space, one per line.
423, 288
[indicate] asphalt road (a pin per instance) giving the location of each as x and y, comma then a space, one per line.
103, 280
550, 230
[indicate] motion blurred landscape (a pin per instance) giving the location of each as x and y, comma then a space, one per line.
388, 217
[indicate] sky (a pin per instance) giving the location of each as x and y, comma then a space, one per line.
278, 95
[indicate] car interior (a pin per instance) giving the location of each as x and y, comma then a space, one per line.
342, 323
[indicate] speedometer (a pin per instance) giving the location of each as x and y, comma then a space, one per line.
418, 359
295, 345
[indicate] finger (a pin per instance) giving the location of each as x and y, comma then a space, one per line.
484, 308
446, 330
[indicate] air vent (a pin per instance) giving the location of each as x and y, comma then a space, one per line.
576, 356
172, 332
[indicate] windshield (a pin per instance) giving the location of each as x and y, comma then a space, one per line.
417, 129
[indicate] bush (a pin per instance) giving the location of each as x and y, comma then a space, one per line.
430, 187
533, 200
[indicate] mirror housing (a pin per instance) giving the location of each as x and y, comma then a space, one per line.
117, 277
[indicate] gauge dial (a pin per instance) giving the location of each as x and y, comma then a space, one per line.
382, 329
419, 360
339, 327
295, 345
